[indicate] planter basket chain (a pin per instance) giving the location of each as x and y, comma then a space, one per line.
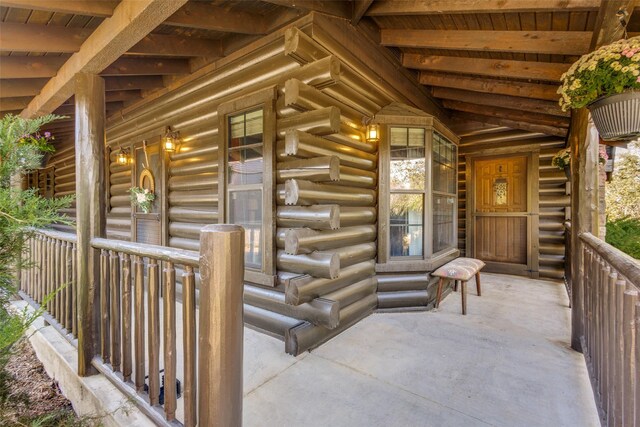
617, 117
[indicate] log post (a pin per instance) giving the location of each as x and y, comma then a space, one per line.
220, 339
583, 140
90, 202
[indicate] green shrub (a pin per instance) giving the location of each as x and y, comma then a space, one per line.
624, 234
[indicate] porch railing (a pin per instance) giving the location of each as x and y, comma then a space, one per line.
49, 276
611, 341
141, 343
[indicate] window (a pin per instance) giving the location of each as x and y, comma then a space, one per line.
418, 196
443, 170
244, 181
407, 191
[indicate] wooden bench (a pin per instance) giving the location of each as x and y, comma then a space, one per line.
460, 269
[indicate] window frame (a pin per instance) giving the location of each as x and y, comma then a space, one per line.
265, 100
429, 260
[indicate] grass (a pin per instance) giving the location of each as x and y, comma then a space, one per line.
624, 234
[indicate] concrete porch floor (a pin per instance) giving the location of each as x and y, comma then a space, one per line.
507, 363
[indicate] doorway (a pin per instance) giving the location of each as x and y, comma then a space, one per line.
502, 212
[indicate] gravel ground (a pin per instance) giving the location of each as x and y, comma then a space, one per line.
35, 399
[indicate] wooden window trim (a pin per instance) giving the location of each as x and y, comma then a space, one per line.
264, 99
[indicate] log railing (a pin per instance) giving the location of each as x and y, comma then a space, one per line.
611, 342
48, 278
141, 344
568, 255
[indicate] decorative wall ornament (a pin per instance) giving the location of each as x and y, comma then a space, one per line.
142, 198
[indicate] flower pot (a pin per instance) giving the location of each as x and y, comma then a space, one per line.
617, 117
567, 172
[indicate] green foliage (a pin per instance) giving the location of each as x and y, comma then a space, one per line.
21, 150
623, 192
624, 234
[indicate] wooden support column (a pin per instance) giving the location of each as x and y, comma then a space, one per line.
584, 210
221, 326
90, 210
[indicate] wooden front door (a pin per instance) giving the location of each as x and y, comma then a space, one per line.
501, 214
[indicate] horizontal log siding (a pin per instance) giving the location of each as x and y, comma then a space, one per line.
63, 162
118, 201
553, 198
351, 198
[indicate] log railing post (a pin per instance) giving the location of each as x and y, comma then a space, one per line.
90, 211
221, 326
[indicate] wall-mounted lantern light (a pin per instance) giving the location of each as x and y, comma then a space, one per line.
373, 132
123, 158
170, 140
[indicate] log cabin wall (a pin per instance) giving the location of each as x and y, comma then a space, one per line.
58, 179
325, 196
551, 187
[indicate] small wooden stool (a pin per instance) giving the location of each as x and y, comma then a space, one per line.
460, 269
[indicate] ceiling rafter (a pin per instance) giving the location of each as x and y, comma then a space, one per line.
546, 71
102, 8
130, 23
504, 101
49, 38
16, 67
510, 123
205, 16
540, 42
424, 7
492, 86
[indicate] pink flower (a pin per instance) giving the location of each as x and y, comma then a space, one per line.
638, 80
47, 134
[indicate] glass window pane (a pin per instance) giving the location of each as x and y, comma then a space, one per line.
406, 225
246, 128
443, 165
245, 209
444, 209
245, 166
407, 169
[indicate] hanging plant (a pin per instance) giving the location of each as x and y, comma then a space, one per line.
607, 81
562, 159
142, 198
609, 70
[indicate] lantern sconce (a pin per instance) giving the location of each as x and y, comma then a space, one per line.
170, 140
124, 157
372, 134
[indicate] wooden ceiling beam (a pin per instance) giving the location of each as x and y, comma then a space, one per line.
113, 96
16, 67
540, 42
133, 82
102, 8
426, 7
49, 38
20, 87
15, 103
342, 9
360, 7
547, 71
494, 86
516, 103
508, 113
514, 124
130, 23
205, 16
147, 66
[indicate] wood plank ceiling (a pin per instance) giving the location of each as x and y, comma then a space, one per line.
495, 62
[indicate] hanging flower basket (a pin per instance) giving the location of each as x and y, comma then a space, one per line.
607, 81
617, 117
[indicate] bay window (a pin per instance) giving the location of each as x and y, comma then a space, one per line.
417, 195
